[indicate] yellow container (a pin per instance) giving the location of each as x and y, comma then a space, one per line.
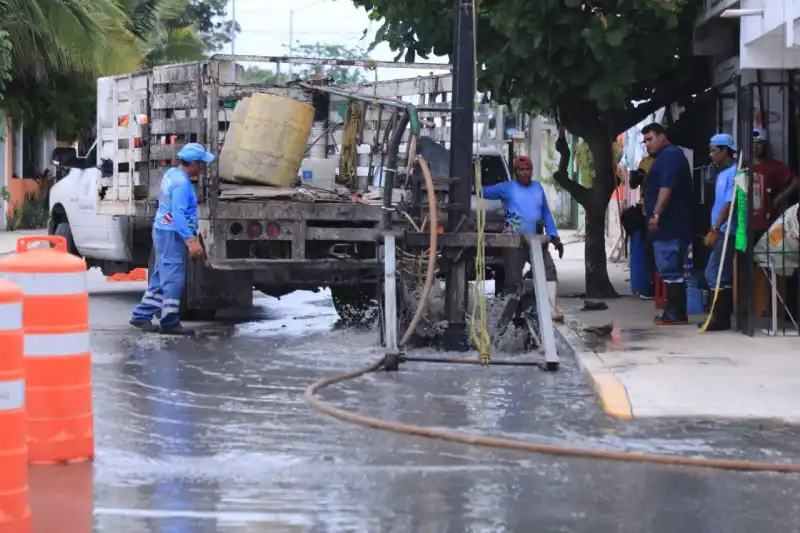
228, 154
267, 146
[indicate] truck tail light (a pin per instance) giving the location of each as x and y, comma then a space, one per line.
254, 229
273, 230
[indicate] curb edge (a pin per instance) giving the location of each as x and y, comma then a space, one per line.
608, 388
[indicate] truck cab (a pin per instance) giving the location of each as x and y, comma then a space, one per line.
100, 239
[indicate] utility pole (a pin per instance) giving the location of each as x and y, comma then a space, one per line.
291, 40
233, 27
460, 193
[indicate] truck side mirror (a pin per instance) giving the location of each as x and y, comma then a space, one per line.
65, 157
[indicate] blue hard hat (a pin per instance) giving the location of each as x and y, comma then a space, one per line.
195, 152
723, 139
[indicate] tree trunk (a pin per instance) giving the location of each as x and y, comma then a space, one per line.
598, 284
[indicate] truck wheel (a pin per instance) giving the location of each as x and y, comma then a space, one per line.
63, 230
356, 304
185, 312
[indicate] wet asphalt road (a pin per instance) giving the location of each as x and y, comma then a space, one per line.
212, 435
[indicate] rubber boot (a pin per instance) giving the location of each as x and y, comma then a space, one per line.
177, 330
144, 325
723, 309
552, 291
675, 311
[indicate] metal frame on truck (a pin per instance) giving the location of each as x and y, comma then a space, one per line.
279, 240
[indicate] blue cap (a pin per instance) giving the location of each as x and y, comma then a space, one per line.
723, 139
195, 152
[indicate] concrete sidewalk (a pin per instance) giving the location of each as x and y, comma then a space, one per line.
8, 239
641, 370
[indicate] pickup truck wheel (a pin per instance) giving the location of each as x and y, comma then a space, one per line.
63, 230
356, 304
185, 312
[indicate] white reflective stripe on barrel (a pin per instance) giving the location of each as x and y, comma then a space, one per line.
38, 284
12, 395
10, 316
59, 345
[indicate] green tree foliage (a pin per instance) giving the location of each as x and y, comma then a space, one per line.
5, 62
210, 18
339, 75
585, 161
584, 61
163, 31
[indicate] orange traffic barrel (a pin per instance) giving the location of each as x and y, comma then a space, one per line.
15, 516
58, 366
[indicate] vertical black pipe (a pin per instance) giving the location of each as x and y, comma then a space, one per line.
463, 108
460, 190
389, 172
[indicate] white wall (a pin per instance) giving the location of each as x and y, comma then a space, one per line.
770, 40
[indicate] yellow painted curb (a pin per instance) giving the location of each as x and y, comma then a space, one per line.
611, 393
604, 383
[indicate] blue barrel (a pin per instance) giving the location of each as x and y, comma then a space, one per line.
641, 275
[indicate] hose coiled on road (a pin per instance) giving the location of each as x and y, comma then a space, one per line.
508, 444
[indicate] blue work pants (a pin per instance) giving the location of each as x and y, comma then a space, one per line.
165, 287
669, 257
716, 262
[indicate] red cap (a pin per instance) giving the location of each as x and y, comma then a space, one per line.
523, 161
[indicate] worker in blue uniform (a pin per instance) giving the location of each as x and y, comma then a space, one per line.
175, 241
722, 152
525, 206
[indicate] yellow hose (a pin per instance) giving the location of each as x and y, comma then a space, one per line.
480, 332
348, 158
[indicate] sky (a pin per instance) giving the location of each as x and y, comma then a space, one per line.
266, 25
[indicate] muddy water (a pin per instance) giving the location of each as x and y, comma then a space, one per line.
212, 435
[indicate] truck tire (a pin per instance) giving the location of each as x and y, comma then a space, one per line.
63, 230
185, 312
356, 304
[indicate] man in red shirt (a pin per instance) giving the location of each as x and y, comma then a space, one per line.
773, 182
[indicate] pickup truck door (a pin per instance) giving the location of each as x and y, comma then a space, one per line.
95, 236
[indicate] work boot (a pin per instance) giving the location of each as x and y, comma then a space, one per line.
177, 329
675, 311
555, 313
723, 309
145, 325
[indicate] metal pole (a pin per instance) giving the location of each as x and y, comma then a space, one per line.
389, 294
461, 139
291, 41
543, 304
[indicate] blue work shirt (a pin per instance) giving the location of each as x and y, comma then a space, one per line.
724, 189
670, 169
525, 205
177, 204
